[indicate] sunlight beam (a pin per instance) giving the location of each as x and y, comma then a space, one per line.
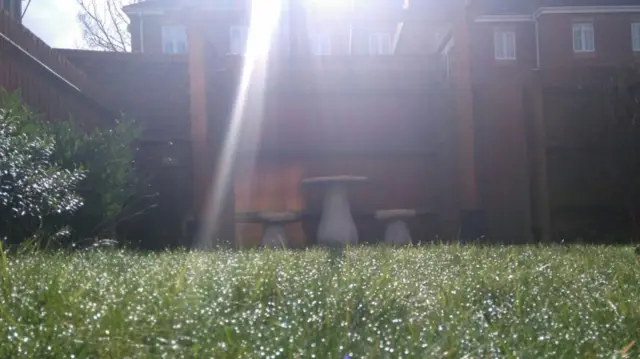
246, 117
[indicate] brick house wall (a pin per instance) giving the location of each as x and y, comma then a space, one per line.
485, 67
613, 46
497, 100
345, 28
574, 107
548, 34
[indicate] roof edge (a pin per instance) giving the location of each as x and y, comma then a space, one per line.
547, 10
151, 7
609, 9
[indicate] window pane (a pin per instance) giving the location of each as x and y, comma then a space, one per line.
326, 45
320, 44
577, 38
244, 38
583, 38
234, 41
181, 34
174, 39
167, 41
511, 45
168, 47
181, 47
373, 44
385, 44
313, 44
635, 36
497, 45
589, 40
380, 44
504, 45
238, 40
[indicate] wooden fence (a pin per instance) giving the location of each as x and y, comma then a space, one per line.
380, 120
48, 83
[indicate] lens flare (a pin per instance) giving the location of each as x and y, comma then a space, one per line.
246, 117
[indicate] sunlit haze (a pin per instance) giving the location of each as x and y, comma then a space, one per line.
246, 118
332, 4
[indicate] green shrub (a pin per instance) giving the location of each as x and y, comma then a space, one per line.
112, 188
64, 177
32, 184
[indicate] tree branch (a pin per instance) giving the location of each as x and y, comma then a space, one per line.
24, 11
104, 25
112, 13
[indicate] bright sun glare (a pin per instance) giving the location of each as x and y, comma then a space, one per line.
246, 117
331, 4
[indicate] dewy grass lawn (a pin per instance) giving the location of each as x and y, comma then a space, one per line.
434, 301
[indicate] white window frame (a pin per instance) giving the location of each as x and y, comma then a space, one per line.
583, 35
320, 44
380, 44
635, 36
238, 39
504, 44
172, 37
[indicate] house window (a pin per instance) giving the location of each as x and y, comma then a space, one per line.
13, 8
320, 44
238, 39
379, 44
583, 39
174, 39
635, 36
447, 57
504, 42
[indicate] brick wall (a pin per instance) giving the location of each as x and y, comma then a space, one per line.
612, 35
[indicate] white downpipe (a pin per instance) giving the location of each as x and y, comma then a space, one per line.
537, 43
141, 25
350, 38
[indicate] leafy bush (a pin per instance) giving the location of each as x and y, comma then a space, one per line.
58, 176
112, 188
32, 184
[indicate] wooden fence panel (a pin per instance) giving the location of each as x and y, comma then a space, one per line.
274, 184
48, 83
